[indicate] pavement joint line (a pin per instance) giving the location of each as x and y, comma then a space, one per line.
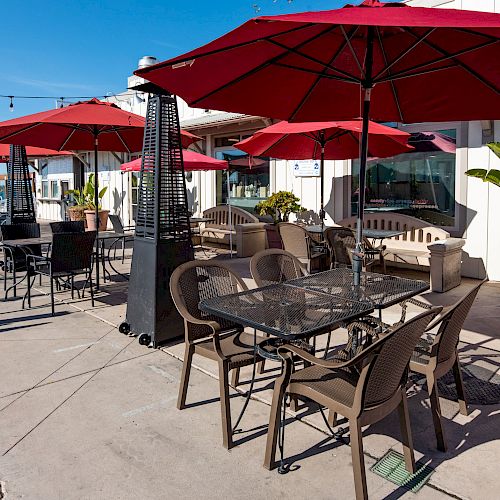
305, 422
75, 375
65, 400
86, 348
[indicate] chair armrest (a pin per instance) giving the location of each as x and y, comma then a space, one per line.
191, 319
41, 258
325, 363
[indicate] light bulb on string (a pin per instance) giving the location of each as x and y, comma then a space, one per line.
11, 105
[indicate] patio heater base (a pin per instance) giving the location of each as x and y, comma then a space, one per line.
151, 314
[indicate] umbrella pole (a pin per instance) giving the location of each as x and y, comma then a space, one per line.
358, 254
96, 202
229, 214
322, 186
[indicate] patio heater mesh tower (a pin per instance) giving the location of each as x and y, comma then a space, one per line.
20, 206
162, 235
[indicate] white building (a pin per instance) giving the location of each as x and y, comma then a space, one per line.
431, 185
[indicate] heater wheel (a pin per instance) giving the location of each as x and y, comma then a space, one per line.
144, 339
124, 328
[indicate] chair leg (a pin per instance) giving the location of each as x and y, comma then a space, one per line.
462, 403
52, 295
91, 284
235, 377
14, 278
274, 424
406, 438
186, 370
358, 461
227, 430
332, 418
123, 250
436, 412
72, 287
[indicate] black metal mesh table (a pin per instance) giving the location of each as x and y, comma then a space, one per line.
285, 310
376, 290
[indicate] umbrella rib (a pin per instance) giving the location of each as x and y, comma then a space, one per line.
407, 71
73, 130
348, 41
257, 68
349, 77
122, 141
403, 54
314, 72
387, 68
453, 56
318, 79
235, 46
12, 134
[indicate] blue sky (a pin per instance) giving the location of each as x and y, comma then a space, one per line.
89, 47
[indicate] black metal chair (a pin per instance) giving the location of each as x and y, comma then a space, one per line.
126, 231
14, 260
73, 226
72, 255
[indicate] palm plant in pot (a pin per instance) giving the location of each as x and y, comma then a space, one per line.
81, 203
90, 211
279, 206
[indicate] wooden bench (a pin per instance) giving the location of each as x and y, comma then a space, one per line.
220, 228
409, 249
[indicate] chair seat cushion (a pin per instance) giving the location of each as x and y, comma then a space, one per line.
338, 385
237, 347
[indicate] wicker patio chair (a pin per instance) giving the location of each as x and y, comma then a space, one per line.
126, 231
71, 255
211, 337
297, 241
73, 226
342, 242
14, 260
436, 354
274, 265
364, 389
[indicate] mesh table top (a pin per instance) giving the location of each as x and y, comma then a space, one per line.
286, 311
377, 290
47, 239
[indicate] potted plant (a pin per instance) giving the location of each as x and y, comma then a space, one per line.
279, 206
80, 198
89, 189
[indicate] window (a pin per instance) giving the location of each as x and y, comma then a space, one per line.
45, 189
134, 192
64, 187
248, 178
55, 191
420, 183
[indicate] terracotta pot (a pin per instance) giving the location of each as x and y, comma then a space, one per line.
103, 219
273, 237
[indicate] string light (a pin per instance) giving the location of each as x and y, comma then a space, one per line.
62, 101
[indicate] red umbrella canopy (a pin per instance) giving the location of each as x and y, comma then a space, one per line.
73, 127
302, 141
192, 161
428, 65
32, 152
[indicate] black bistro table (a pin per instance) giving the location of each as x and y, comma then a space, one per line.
25, 245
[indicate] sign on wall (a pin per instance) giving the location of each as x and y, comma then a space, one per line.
306, 168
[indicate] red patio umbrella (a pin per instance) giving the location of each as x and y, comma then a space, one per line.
192, 161
324, 141
387, 61
31, 152
87, 125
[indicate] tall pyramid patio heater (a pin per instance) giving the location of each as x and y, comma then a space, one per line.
20, 206
162, 235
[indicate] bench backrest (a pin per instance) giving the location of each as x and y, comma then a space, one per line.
220, 216
415, 230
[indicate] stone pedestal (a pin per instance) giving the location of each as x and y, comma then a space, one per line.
250, 238
446, 264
